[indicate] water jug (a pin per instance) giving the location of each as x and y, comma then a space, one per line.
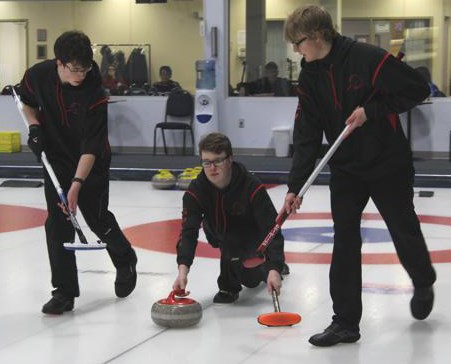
205, 74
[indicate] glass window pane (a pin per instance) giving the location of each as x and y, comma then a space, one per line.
256, 37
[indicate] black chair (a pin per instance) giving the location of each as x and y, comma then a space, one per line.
179, 105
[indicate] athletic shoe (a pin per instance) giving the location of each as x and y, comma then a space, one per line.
126, 275
422, 302
335, 334
225, 297
58, 304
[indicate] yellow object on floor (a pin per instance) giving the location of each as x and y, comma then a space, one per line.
164, 180
185, 178
9, 141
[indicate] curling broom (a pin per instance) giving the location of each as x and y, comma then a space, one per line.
83, 244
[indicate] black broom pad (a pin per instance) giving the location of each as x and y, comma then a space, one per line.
20, 183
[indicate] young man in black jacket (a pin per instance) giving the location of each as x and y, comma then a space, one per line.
236, 214
67, 114
345, 82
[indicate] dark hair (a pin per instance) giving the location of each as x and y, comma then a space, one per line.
424, 72
215, 143
167, 69
74, 46
271, 66
307, 20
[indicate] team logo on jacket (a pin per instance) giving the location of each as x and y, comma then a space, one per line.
238, 208
355, 82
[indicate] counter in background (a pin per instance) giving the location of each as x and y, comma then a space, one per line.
131, 121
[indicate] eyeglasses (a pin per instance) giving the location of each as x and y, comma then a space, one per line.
78, 70
299, 42
216, 162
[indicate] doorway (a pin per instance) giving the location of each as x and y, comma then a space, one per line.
13, 51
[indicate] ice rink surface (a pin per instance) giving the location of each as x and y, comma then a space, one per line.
106, 329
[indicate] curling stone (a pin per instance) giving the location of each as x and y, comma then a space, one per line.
185, 178
176, 310
163, 180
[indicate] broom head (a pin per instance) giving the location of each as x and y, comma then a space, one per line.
275, 319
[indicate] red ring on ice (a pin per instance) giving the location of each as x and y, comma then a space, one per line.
15, 218
162, 236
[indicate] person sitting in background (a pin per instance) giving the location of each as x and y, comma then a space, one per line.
270, 84
435, 92
111, 83
166, 85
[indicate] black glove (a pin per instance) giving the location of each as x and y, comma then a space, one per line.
36, 140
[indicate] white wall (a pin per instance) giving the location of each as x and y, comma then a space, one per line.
260, 115
10, 119
431, 128
131, 122
13, 51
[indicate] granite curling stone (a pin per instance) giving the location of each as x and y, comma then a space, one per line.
164, 180
185, 178
176, 310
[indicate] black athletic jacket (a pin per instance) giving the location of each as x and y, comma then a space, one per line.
238, 218
74, 119
331, 88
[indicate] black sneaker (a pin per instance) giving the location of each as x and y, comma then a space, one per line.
126, 275
335, 334
422, 302
225, 297
58, 304
285, 270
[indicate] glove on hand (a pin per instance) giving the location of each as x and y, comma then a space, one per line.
36, 140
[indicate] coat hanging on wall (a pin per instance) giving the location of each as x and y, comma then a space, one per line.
136, 68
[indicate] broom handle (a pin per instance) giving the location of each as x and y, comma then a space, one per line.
269, 238
275, 301
323, 161
50, 171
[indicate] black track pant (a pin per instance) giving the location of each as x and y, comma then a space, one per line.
233, 274
93, 203
393, 197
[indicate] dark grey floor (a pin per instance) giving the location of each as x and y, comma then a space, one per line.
141, 167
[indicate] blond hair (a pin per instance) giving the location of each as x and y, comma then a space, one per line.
308, 20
